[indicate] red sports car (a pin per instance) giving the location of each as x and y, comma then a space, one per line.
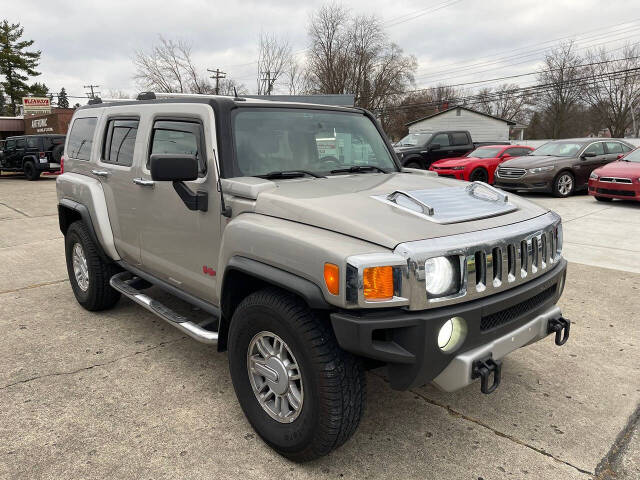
620, 179
479, 164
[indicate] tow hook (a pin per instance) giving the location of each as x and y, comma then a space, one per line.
560, 325
483, 369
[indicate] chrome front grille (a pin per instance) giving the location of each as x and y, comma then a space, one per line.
615, 180
491, 261
508, 172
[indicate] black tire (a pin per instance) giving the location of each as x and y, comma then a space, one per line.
479, 175
57, 152
333, 381
558, 191
99, 295
604, 199
30, 171
413, 164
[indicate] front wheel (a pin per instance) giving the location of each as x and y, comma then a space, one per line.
563, 184
301, 393
413, 164
479, 175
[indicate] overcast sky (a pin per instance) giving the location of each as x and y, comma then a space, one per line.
454, 41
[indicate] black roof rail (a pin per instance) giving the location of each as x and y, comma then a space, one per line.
146, 96
94, 101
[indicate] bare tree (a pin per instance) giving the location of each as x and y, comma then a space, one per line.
350, 54
296, 78
274, 60
505, 101
613, 88
228, 86
116, 93
560, 95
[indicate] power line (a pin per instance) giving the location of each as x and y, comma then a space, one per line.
419, 13
93, 94
219, 75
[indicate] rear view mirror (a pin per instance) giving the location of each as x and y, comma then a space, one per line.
173, 167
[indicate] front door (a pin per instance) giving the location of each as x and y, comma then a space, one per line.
178, 245
589, 164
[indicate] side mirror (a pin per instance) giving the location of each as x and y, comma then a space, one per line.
173, 167
505, 156
434, 146
588, 155
620, 155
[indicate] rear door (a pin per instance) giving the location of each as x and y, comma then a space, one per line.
614, 149
460, 144
8, 157
21, 147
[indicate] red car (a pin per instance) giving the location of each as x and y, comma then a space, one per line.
480, 164
619, 179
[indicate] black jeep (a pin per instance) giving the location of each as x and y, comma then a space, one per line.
32, 154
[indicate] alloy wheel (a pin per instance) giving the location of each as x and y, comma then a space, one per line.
80, 268
565, 184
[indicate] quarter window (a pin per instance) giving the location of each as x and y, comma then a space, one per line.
597, 148
81, 138
32, 142
441, 139
120, 142
20, 143
614, 147
458, 139
179, 137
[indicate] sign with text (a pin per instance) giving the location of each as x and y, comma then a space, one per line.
36, 105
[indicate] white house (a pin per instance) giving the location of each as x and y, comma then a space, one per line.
483, 127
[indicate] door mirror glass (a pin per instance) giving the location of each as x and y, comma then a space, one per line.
173, 167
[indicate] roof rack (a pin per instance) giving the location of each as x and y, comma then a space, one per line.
94, 101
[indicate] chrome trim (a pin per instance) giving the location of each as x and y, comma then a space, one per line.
471, 188
457, 374
524, 251
426, 209
399, 264
143, 182
615, 180
510, 172
101, 173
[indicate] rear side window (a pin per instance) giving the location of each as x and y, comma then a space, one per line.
614, 147
33, 142
81, 138
182, 137
442, 139
120, 141
11, 144
626, 148
20, 143
459, 138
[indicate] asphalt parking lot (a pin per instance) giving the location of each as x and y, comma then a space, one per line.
122, 395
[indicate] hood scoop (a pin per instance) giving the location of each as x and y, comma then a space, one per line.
474, 201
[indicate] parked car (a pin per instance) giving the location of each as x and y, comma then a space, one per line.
32, 154
480, 164
312, 269
420, 150
619, 179
560, 167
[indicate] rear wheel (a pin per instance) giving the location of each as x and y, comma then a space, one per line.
301, 393
479, 175
563, 184
89, 273
30, 171
604, 199
413, 164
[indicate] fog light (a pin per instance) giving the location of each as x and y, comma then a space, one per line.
445, 333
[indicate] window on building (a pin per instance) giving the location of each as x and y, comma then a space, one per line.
81, 138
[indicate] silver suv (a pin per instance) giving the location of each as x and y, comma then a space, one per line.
315, 255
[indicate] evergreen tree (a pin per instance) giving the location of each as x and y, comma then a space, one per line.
39, 90
3, 103
63, 100
16, 63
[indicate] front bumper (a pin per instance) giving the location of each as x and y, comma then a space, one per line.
623, 191
445, 172
523, 184
407, 341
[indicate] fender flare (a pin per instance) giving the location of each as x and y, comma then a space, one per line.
29, 158
86, 219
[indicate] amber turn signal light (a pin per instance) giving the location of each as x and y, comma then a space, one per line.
332, 278
378, 283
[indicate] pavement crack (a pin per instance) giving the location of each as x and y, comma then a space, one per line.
586, 215
35, 285
15, 209
458, 414
90, 367
607, 467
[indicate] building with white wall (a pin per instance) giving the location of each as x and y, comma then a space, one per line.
483, 127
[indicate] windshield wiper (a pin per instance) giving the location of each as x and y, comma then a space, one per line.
359, 168
289, 174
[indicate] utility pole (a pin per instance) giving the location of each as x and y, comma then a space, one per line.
268, 82
219, 75
93, 94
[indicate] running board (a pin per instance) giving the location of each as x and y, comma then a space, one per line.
122, 282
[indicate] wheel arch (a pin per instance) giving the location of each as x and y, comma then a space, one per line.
69, 212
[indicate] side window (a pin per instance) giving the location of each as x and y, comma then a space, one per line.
626, 148
614, 147
597, 148
120, 141
33, 142
459, 138
20, 143
81, 138
441, 139
11, 144
182, 137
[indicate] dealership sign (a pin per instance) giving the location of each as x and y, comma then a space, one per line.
36, 105
41, 125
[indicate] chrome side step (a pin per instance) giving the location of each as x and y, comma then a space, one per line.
122, 283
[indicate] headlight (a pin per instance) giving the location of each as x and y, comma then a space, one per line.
541, 169
593, 176
456, 168
442, 276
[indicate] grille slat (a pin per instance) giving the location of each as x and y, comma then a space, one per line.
615, 180
507, 172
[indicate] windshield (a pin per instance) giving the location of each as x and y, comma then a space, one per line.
414, 139
633, 156
271, 140
559, 149
484, 153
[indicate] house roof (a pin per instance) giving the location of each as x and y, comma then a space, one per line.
509, 122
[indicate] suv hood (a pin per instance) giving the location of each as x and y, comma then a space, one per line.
531, 161
347, 204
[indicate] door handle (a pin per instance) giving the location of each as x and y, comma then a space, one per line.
100, 173
143, 182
